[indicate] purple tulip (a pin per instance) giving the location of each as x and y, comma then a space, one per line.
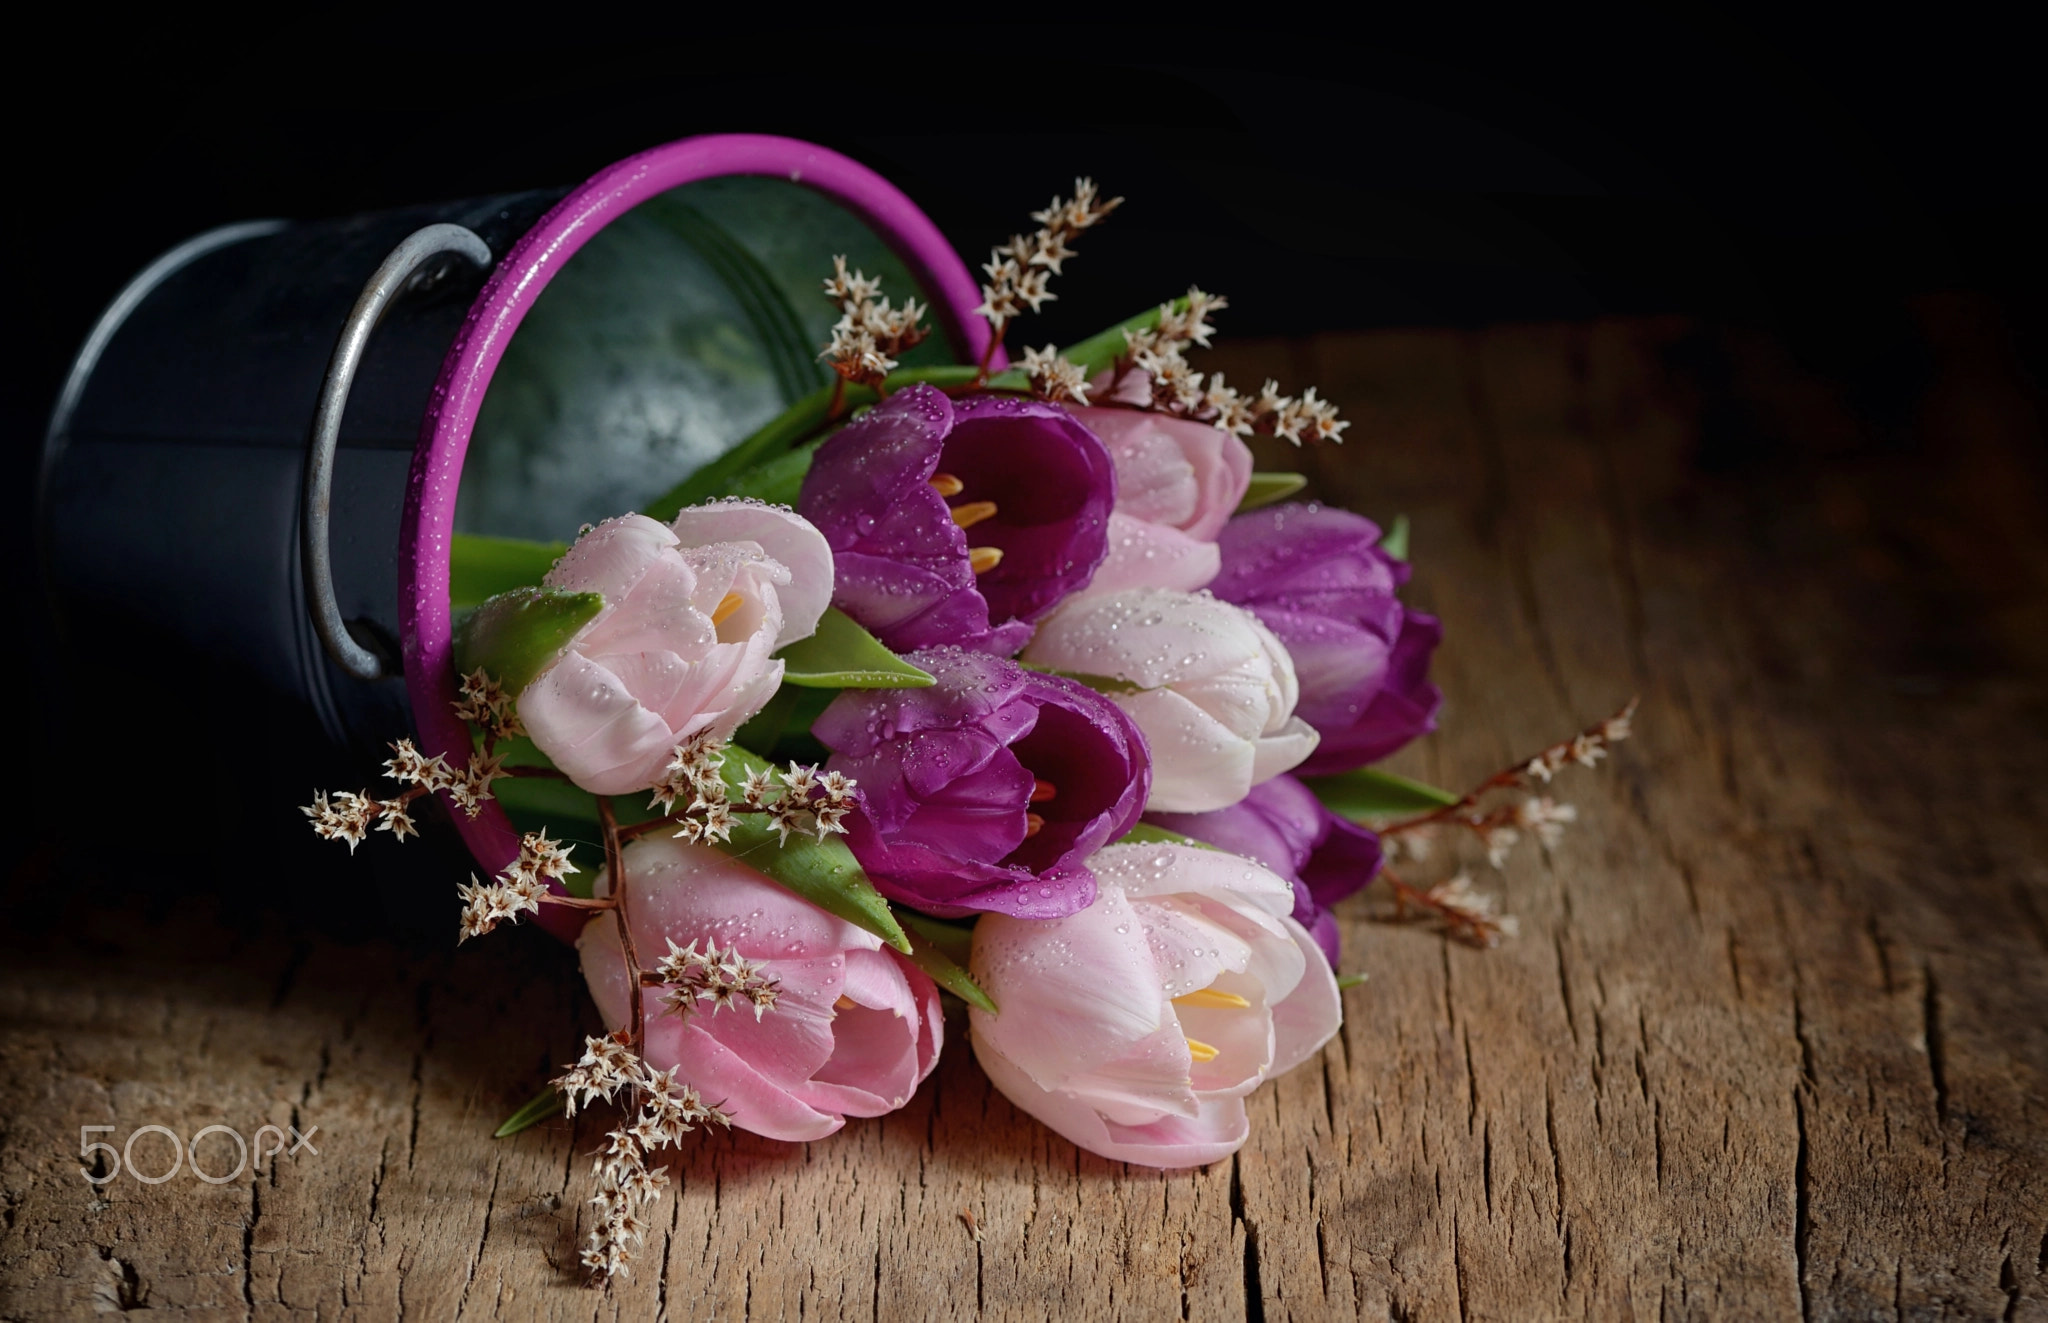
986, 791
1282, 825
960, 521
1318, 579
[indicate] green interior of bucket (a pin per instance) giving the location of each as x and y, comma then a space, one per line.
686, 324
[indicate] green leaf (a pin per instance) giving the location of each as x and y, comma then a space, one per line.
1101, 684
765, 727
1395, 540
940, 950
781, 433
1269, 488
1147, 834
824, 873
778, 481
1369, 793
516, 634
1349, 981
842, 655
479, 568
543, 1105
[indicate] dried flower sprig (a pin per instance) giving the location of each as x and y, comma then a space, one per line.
1054, 378
1176, 388
483, 702
1463, 912
869, 336
721, 977
349, 816
1019, 271
797, 801
1501, 827
664, 1110
522, 888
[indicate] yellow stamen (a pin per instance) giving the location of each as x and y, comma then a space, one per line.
973, 512
845, 1003
1201, 1051
727, 604
1214, 1000
984, 559
946, 485
1033, 824
1042, 790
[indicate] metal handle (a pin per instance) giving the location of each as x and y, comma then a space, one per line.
393, 278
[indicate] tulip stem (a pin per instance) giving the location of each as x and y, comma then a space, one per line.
614, 863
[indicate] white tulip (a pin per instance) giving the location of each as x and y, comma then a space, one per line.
1211, 687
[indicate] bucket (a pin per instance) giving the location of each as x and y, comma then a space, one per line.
264, 447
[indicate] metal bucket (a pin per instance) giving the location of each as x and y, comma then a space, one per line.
267, 441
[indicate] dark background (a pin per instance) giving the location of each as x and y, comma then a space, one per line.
1806, 178
1804, 173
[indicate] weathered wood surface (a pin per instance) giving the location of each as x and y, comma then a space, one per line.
1773, 1041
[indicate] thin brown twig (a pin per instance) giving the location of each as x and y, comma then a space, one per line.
1514, 774
615, 868
639, 829
579, 902
1473, 929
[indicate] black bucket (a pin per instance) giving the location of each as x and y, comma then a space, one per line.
192, 526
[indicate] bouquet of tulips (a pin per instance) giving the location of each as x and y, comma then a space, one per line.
1019, 686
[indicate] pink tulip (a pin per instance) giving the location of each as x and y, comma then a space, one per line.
854, 1027
1136, 1027
1177, 482
693, 614
1211, 688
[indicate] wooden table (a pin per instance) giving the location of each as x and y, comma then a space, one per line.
1772, 1043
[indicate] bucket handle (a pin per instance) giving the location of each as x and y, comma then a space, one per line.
400, 271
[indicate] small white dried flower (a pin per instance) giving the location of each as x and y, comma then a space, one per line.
549, 858
1546, 817
1498, 841
718, 822
406, 764
759, 786
392, 817
1053, 377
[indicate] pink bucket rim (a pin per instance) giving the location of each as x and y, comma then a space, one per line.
425, 613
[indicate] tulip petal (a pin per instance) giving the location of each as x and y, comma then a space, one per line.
753, 1101
1219, 1127
1143, 871
683, 888
1309, 1016
1172, 471
610, 558
1083, 985
1283, 750
785, 537
1143, 555
593, 728
884, 1045
1197, 762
